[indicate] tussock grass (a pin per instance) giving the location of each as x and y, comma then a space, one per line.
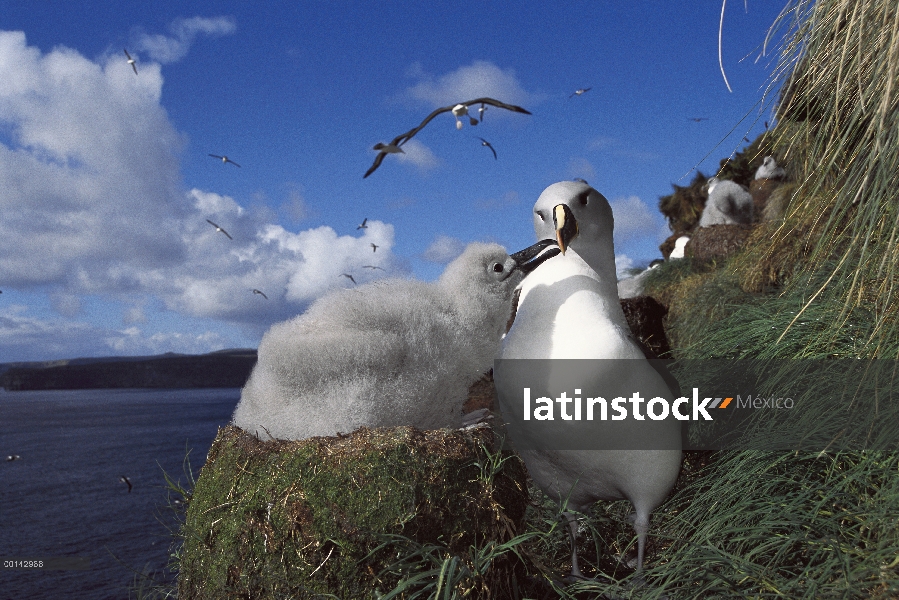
839, 129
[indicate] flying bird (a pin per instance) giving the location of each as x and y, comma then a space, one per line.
373, 267
224, 159
260, 292
697, 119
489, 145
217, 228
579, 92
131, 61
746, 139
127, 481
348, 276
363, 225
405, 137
374, 247
481, 112
388, 148
12, 457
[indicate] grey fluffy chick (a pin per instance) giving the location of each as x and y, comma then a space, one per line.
388, 353
728, 204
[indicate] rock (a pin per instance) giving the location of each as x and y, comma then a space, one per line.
302, 519
761, 190
717, 241
646, 318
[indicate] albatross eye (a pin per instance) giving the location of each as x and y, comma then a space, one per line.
583, 198
541, 215
497, 268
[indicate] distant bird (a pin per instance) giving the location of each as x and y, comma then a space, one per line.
569, 309
679, 247
747, 140
729, 203
632, 287
697, 119
224, 159
770, 170
388, 148
481, 112
260, 292
385, 354
374, 247
766, 125
373, 267
405, 137
127, 481
131, 61
348, 276
12, 457
489, 145
363, 225
217, 228
580, 92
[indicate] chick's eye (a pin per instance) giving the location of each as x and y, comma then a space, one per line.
497, 268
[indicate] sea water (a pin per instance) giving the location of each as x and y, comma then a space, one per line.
64, 497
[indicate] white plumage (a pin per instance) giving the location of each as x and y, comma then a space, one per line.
770, 170
728, 204
393, 352
569, 308
680, 245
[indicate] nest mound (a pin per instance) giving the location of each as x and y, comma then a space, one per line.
308, 518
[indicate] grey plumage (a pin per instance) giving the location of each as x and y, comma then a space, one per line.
388, 353
729, 203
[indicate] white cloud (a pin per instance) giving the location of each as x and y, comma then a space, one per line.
168, 49
92, 203
481, 78
417, 154
622, 264
443, 249
633, 219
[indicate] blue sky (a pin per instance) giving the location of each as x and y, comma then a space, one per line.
106, 182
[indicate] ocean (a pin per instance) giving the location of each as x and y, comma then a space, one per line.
64, 496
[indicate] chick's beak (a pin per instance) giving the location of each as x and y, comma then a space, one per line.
565, 224
533, 256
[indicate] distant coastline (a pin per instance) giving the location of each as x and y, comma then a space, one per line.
225, 368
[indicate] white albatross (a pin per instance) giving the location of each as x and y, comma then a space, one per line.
569, 309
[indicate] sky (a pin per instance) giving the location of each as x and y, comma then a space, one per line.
106, 183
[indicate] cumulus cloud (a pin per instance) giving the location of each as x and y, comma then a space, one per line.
168, 49
92, 203
481, 78
623, 264
443, 249
416, 153
633, 219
